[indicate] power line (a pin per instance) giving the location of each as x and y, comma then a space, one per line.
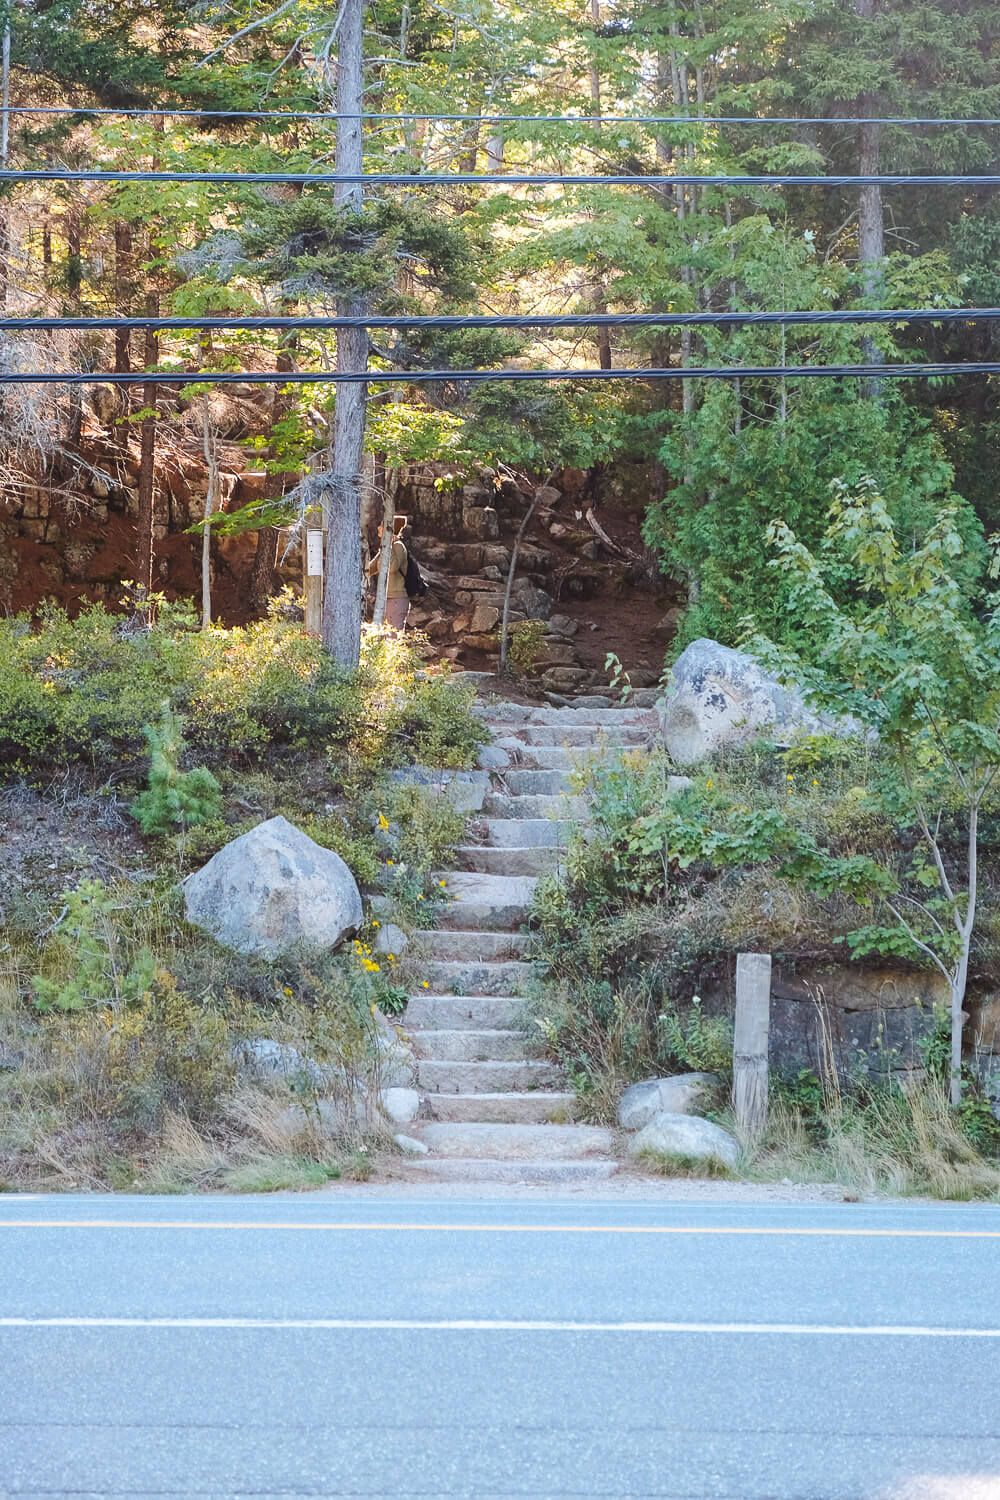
478, 377
332, 116
512, 179
534, 320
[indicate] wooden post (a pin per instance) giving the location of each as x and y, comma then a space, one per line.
313, 559
750, 1042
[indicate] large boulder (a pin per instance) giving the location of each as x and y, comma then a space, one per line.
683, 1094
687, 1136
719, 698
273, 890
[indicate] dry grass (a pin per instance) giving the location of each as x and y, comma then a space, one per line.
888, 1142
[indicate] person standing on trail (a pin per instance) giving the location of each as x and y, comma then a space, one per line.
397, 600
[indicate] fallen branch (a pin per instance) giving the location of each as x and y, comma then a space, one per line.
602, 536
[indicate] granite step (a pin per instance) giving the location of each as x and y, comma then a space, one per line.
532, 781
501, 805
527, 1171
509, 976
543, 1107
456, 946
455, 1012
583, 736
486, 902
524, 833
468, 1045
488, 1141
445, 1076
532, 861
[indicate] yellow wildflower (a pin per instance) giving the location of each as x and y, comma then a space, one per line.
383, 822
425, 984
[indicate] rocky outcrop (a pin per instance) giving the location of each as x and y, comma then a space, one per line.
274, 890
718, 699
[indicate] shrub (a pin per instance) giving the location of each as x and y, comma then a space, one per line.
526, 641
174, 798
81, 691
85, 961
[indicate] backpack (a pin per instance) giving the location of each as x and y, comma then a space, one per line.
414, 581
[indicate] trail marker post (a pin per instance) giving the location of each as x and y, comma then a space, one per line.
750, 1043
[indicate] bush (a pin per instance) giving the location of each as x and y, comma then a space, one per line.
174, 798
81, 691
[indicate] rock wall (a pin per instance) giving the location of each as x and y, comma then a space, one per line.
592, 595
869, 1020
71, 537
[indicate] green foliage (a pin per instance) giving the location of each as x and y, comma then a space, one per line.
82, 964
174, 799
84, 691
526, 641
695, 1042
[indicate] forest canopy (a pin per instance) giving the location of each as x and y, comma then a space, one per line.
442, 88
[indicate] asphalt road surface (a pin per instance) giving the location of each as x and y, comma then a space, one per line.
355, 1347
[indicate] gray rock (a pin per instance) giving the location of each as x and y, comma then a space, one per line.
493, 758
326, 1117
464, 790
677, 784
272, 890
397, 1066
409, 1145
391, 939
401, 1106
266, 1058
685, 1135
679, 1095
563, 625
719, 698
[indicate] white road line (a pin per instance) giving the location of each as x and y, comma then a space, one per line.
347, 1227
513, 1325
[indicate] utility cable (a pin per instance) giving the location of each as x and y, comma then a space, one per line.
477, 377
512, 179
602, 120
447, 321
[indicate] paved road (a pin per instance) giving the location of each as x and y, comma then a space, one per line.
336, 1346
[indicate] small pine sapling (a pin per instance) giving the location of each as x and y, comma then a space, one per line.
175, 799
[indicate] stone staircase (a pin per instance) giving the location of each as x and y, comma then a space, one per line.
493, 1110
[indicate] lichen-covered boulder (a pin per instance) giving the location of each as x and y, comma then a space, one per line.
682, 1094
273, 890
719, 698
686, 1136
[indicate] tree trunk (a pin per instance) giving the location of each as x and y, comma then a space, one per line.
871, 225
961, 978
74, 287
147, 457
5, 206
342, 494
385, 548
211, 495
600, 302
124, 274
265, 560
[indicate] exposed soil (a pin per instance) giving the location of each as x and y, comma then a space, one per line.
54, 840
